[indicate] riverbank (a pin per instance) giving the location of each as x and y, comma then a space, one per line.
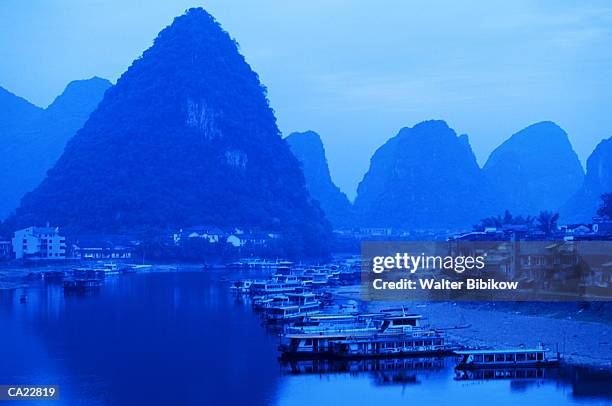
580, 342
13, 277
17, 277
582, 337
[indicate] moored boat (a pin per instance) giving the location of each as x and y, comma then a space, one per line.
507, 358
267, 301
269, 287
393, 345
241, 286
103, 270
353, 344
362, 336
300, 305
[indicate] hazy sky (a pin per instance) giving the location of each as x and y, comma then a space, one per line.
354, 71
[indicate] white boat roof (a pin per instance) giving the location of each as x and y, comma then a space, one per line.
405, 316
346, 334
508, 351
333, 316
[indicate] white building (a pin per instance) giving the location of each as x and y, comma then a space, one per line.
39, 243
211, 234
252, 239
235, 240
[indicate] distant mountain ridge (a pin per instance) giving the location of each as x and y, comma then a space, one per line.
308, 149
32, 138
15, 114
424, 177
535, 169
583, 205
185, 137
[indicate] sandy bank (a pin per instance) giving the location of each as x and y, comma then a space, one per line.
580, 342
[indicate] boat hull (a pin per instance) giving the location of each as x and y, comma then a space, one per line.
536, 364
330, 355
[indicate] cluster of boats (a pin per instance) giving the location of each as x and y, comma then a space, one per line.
298, 301
297, 298
292, 293
390, 334
288, 276
90, 278
394, 334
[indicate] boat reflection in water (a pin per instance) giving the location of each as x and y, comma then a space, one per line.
383, 371
81, 286
505, 373
137, 323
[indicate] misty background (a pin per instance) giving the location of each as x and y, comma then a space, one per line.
355, 72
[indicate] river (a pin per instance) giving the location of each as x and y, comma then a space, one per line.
181, 338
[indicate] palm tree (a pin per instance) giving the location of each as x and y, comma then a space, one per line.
547, 222
505, 220
605, 210
527, 220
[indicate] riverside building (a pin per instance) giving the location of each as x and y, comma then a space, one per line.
39, 243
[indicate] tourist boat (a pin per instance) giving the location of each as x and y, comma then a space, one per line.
270, 287
267, 301
287, 280
315, 278
401, 322
108, 269
283, 267
344, 323
289, 313
361, 335
314, 344
363, 344
254, 264
81, 285
242, 286
419, 343
330, 318
520, 357
333, 274
300, 305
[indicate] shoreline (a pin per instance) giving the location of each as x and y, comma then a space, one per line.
15, 277
580, 342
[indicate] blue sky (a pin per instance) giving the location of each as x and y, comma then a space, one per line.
354, 71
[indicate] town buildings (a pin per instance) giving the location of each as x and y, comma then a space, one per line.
39, 243
98, 247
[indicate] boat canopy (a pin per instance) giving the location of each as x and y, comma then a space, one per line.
510, 351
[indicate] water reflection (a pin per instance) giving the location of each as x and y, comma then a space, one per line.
181, 338
142, 339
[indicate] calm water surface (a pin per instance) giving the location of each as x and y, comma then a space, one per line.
181, 338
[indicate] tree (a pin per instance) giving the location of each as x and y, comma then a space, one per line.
505, 220
547, 222
605, 210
